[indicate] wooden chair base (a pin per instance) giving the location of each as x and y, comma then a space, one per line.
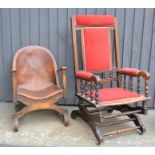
22, 110
96, 121
96, 129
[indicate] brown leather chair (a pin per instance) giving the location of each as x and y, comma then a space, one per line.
36, 83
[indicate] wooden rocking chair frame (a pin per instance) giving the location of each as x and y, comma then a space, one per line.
23, 105
90, 108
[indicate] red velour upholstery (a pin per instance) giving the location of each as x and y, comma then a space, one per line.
112, 94
83, 75
129, 71
95, 20
97, 49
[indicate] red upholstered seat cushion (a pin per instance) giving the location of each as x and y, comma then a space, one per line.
97, 49
95, 20
111, 94
83, 75
129, 71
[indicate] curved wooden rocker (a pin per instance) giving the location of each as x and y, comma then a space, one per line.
36, 83
101, 65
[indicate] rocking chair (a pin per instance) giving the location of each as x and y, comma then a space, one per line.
101, 65
36, 84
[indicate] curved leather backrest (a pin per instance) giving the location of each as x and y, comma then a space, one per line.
35, 65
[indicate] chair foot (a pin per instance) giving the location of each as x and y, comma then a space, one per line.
16, 124
65, 118
138, 123
97, 132
99, 142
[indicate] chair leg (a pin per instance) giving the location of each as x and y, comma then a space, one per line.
62, 112
65, 118
138, 123
18, 115
16, 124
96, 129
41, 106
19, 106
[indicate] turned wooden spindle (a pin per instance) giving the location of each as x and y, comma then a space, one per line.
124, 81
86, 89
131, 83
104, 76
91, 91
138, 85
111, 74
119, 80
81, 87
100, 114
146, 88
96, 93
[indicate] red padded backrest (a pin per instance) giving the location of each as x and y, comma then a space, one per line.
96, 49
95, 20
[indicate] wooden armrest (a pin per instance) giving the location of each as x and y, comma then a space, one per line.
84, 75
104, 81
13, 70
64, 79
62, 68
144, 74
134, 72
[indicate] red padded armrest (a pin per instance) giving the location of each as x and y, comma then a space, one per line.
130, 71
84, 75
134, 72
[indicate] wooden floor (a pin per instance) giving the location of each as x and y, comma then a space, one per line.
44, 128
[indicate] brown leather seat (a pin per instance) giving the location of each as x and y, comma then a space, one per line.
49, 90
36, 80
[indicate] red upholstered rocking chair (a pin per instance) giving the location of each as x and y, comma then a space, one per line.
101, 65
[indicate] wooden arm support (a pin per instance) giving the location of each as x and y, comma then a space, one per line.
90, 77
93, 80
14, 82
64, 79
144, 74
